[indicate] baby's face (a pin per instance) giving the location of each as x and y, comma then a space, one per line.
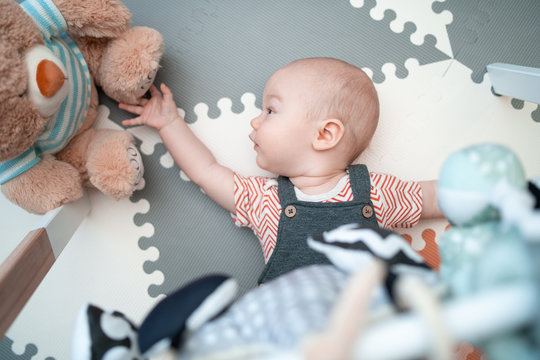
282, 133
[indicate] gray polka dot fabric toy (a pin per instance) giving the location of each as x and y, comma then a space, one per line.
276, 318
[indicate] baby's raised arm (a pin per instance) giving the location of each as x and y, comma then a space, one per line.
430, 206
189, 153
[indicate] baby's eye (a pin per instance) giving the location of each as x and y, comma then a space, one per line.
269, 111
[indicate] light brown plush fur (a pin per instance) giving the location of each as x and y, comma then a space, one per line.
121, 60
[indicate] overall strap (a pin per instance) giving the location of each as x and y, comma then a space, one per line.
360, 182
286, 192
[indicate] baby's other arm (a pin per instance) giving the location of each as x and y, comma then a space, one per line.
189, 153
430, 206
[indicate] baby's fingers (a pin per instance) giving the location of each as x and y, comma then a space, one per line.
154, 91
134, 109
131, 122
142, 101
167, 94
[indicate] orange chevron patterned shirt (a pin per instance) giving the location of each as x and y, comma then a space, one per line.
397, 203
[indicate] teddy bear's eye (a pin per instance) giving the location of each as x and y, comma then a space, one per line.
23, 94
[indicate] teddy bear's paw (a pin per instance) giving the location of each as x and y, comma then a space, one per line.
135, 160
46, 186
114, 164
147, 82
130, 64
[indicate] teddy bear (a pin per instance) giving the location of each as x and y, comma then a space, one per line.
53, 56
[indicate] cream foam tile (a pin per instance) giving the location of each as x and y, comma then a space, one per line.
436, 110
227, 135
101, 264
15, 224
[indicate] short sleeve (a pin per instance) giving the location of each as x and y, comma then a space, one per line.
250, 196
397, 203
258, 208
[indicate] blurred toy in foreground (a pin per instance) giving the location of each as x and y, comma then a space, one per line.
495, 236
314, 312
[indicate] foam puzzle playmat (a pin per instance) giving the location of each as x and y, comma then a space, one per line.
428, 61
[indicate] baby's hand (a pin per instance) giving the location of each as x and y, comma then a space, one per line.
157, 112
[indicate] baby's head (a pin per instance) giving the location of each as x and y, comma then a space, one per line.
342, 91
310, 91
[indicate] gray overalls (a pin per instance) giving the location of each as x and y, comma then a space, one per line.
302, 218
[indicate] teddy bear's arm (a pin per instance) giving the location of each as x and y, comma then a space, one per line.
45, 186
103, 18
19, 164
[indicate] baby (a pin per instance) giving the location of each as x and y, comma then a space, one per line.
318, 115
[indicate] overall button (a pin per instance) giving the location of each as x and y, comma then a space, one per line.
290, 211
367, 211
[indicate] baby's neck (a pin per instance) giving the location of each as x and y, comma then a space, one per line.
313, 185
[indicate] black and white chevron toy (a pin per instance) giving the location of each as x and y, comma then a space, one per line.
350, 247
110, 335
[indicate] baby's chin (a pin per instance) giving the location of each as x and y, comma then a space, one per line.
266, 167
263, 166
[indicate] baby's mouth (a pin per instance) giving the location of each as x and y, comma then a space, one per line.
252, 138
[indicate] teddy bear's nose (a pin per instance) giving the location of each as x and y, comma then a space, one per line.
49, 78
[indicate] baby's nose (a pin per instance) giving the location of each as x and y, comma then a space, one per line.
252, 122
255, 122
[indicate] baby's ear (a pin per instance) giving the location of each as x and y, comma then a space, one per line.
329, 134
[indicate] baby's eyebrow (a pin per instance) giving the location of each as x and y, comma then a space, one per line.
273, 96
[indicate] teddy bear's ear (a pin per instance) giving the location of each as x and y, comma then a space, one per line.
96, 18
